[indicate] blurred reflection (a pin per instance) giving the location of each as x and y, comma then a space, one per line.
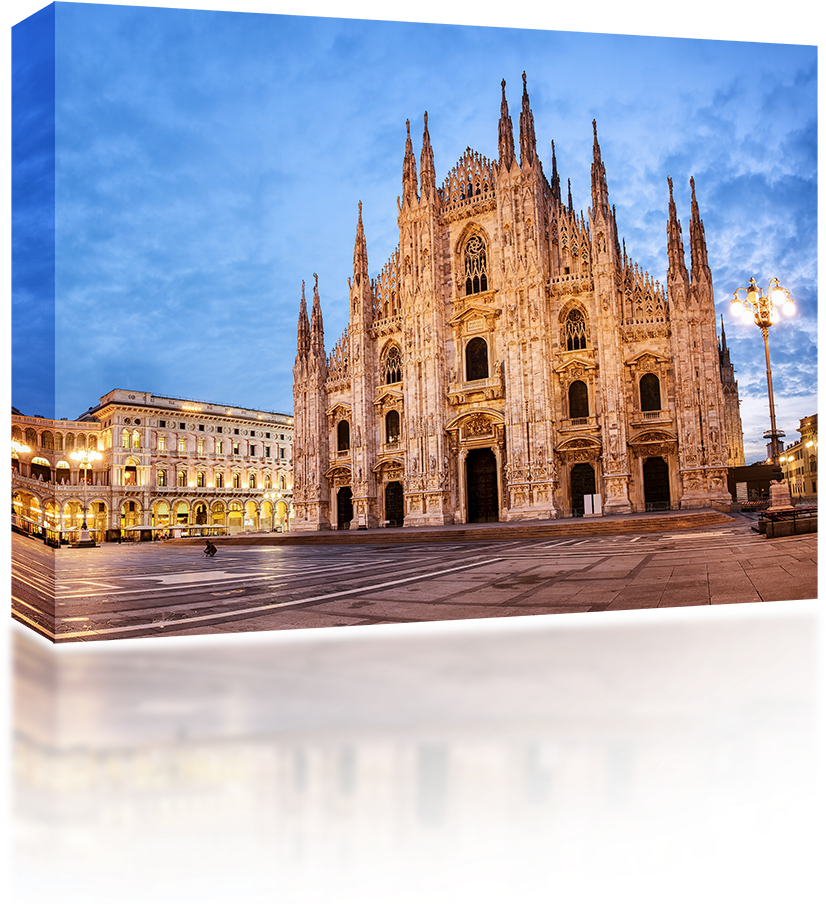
668, 754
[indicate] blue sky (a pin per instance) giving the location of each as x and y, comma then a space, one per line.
207, 162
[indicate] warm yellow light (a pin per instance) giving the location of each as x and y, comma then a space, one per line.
778, 295
809, 444
789, 308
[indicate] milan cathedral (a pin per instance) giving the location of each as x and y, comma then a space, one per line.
510, 361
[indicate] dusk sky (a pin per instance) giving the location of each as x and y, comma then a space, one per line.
205, 163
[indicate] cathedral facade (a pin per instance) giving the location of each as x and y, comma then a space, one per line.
510, 361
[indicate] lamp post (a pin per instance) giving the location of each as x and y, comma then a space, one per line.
85, 457
764, 311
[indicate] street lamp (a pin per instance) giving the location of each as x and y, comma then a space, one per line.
85, 457
764, 311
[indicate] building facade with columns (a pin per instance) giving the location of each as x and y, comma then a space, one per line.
510, 360
165, 464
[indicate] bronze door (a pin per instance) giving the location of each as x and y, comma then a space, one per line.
394, 504
583, 483
655, 484
482, 490
345, 507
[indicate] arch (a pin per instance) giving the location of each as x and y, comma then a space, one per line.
200, 479
40, 469
251, 516
343, 436
218, 513
475, 262
17, 434
575, 330
236, 480
63, 473
130, 513
31, 438
199, 513
578, 400
391, 367
58, 442
235, 515
124, 439
162, 478
392, 426
70, 442
251, 482
136, 439
650, 392
47, 440
219, 479
181, 478
180, 511
476, 359
160, 514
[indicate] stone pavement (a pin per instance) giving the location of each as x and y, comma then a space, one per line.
557, 527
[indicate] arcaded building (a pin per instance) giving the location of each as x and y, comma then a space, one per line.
165, 464
510, 360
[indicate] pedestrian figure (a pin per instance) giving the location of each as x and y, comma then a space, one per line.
211, 549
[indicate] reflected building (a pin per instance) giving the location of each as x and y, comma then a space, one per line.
327, 815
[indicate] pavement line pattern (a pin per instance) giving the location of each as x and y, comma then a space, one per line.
273, 606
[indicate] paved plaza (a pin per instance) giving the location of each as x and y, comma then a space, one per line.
167, 589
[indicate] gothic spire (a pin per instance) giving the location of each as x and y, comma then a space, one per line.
570, 198
506, 151
554, 176
428, 169
676, 254
360, 254
697, 235
599, 185
410, 188
527, 138
303, 342
317, 324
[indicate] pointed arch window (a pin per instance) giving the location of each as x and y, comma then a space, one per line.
476, 266
392, 370
576, 334
219, 480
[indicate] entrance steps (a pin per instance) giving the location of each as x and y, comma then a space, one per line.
562, 527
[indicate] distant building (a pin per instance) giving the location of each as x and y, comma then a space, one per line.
799, 461
165, 463
510, 360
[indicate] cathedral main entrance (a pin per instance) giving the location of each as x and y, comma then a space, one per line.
344, 508
394, 504
583, 483
482, 490
655, 484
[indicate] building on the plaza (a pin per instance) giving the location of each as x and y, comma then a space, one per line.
165, 465
799, 462
510, 361
334, 814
